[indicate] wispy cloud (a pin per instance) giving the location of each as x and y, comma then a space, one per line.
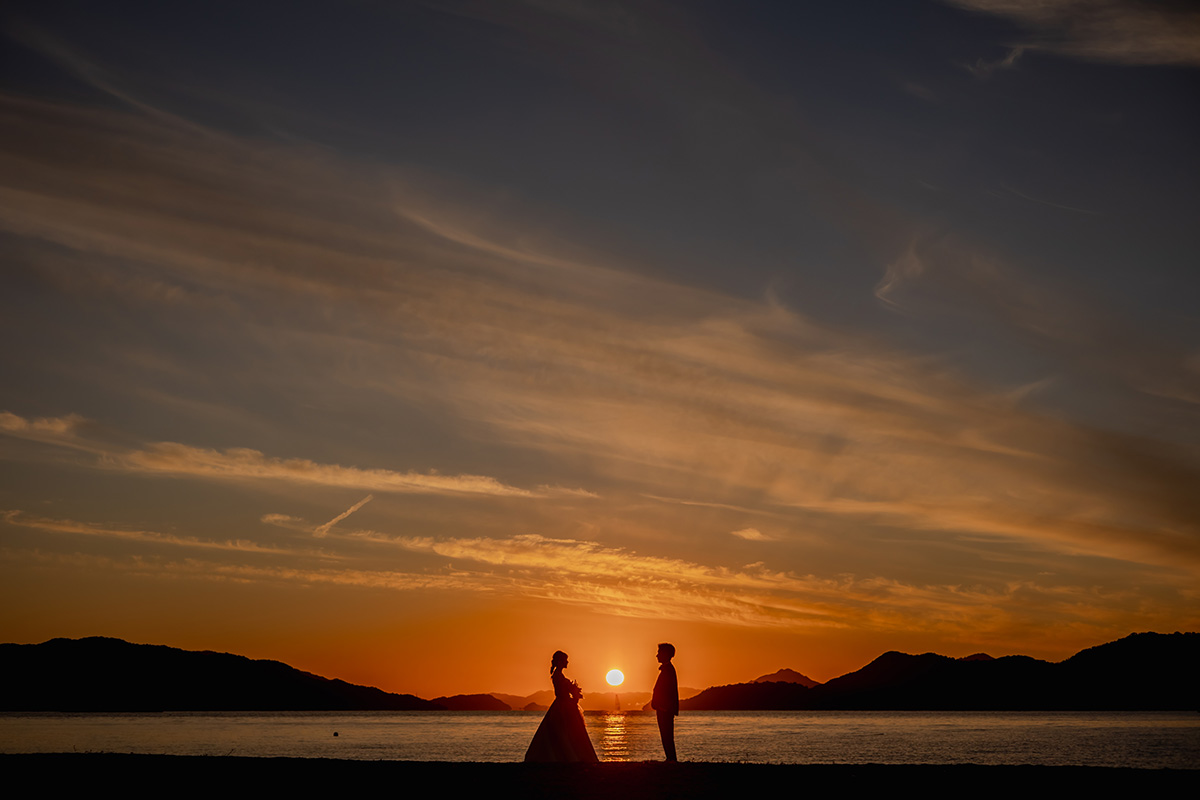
244, 464
751, 535
43, 426
25, 520
48, 429
1122, 31
617, 581
1049, 203
984, 69
93, 74
572, 556
172, 458
722, 506
282, 521
940, 275
156, 567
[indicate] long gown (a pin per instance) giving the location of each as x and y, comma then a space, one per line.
562, 735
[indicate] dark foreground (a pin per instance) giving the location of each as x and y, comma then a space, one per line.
614, 781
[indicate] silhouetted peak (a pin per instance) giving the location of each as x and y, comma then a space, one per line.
977, 657
787, 676
893, 660
750, 696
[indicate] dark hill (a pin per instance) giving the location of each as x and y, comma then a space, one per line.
767, 696
787, 676
472, 702
929, 681
1141, 671
101, 674
1144, 671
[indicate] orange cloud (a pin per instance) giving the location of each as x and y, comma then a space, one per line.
751, 535
20, 518
53, 430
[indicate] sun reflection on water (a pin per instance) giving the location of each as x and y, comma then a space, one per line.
614, 740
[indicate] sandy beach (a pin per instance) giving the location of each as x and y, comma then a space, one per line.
627, 781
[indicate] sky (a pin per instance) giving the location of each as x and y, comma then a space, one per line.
409, 342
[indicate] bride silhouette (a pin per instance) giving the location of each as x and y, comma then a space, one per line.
562, 735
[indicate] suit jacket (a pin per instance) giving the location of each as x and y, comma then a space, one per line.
666, 690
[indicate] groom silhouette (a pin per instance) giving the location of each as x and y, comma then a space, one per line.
665, 701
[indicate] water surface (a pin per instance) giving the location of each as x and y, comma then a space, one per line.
1107, 739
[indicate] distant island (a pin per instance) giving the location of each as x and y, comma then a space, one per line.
1143, 671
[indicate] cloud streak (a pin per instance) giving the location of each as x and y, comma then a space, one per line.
322, 530
239, 463
53, 427
52, 430
24, 520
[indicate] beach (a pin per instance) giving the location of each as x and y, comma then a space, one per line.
627, 781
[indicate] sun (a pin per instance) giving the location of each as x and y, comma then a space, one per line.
615, 677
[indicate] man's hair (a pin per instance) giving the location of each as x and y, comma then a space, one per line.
667, 648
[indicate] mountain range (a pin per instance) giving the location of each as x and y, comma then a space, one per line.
102, 674
1143, 671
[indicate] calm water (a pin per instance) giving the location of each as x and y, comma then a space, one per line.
1134, 739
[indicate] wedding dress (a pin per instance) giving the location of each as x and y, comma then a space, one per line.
562, 735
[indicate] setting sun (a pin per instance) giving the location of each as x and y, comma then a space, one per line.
615, 677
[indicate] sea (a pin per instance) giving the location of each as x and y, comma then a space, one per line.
1150, 740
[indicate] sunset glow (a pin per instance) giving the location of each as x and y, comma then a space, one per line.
409, 343
615, 677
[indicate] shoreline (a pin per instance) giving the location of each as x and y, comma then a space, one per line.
627, 780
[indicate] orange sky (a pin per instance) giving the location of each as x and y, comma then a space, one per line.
525, 329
